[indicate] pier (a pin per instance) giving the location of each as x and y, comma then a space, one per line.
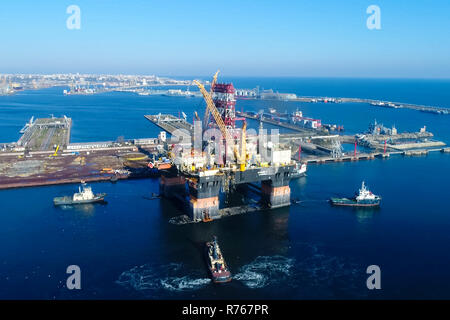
275, 122
376, 103
373, 155
44, 156
46, 133
170, 123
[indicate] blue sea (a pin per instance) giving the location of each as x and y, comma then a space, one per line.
126, 249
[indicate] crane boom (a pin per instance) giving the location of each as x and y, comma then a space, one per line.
242, 158
243, 143
206, 116
212, 108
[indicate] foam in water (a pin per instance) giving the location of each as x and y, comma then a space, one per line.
265, 270
183, 283
169, 277
315, 273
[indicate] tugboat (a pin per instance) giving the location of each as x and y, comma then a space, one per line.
299, 170
365, 198
83, 196
216, 263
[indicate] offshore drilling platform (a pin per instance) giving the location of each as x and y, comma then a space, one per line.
222, 156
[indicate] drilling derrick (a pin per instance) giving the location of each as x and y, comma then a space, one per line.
223, 97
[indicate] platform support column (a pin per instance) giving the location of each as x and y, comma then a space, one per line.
172, 187
204, 198
275, 195
204, 208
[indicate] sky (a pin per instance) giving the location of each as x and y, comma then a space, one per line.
293, 38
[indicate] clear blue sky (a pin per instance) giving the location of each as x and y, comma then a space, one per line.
242, 38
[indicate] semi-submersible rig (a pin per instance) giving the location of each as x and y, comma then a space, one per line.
225, 157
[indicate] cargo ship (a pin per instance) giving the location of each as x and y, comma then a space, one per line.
216, 263
298, 119
365, 198
83, 196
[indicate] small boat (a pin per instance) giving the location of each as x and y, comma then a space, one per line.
83, 196
299, 170
216, 263
365, 198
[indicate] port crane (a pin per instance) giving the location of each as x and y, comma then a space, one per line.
55, 153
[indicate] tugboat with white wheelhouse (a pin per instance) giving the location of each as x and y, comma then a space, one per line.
83, 196
365, 198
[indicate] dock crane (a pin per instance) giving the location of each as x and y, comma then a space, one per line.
56, 152
240, 156
206, 115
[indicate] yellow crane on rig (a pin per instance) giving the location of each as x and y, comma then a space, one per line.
206, 115
212, 108
241, 157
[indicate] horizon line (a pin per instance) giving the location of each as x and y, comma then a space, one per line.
227, 76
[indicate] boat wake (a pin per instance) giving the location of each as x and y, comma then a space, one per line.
184, 283
265, 270
151, 278
310, 275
